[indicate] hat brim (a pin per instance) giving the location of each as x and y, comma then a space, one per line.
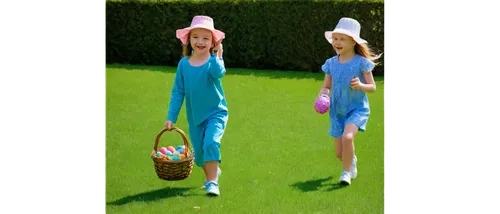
182, 34
328, 36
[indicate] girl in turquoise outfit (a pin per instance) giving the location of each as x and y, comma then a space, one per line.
198, 81
348, 77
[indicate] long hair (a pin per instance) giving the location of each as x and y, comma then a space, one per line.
367, 52
187, 50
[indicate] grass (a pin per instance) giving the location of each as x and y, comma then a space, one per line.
277, 156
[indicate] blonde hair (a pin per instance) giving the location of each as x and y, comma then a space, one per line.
187, 49
367, 52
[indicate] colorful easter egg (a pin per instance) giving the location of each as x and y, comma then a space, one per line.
176, 153
169, 153
181, 156
171, 148
175, 158
158, 154
163, 150
322, 103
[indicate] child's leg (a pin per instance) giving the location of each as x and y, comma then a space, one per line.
338, 147
350, 132
211, 147
196, 135
210, 169
336, 131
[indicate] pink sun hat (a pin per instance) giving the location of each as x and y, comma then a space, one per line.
204, 22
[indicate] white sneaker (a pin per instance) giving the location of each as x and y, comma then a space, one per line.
345, 178
218, 176
213, 189
354, 168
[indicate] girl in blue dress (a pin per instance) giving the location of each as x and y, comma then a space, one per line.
348, 78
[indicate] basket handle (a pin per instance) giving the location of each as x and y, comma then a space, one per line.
186, 143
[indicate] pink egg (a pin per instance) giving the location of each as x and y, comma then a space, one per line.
322, 104
171, 148
163, 150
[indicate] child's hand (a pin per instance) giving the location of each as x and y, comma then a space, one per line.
168, 125
219, 50
356, 84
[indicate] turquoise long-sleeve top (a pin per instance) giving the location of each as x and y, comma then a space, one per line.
201, 86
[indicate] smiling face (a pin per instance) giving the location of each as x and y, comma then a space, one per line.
201, 40
342, 43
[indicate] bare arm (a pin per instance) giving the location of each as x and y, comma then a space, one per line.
327, 85
369, 86
219, 50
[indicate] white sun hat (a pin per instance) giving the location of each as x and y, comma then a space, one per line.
347, 26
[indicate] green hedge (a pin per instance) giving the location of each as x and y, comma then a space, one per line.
285, 35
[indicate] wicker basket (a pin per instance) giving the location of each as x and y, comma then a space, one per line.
173, 170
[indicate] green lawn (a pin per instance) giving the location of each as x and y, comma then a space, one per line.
277, 156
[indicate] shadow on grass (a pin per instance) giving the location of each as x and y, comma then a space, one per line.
322, 184
154, 195
272, 74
